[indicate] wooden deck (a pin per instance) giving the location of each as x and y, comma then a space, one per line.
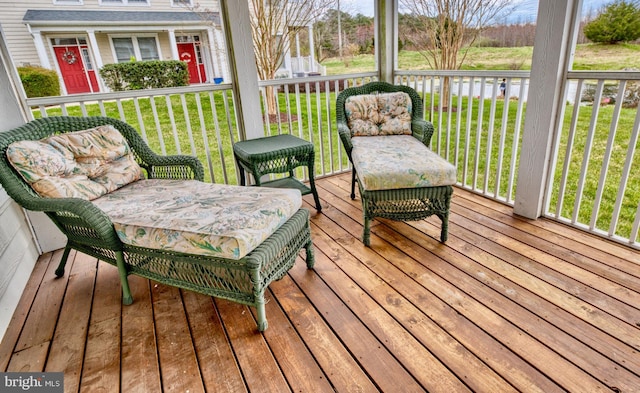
505, 305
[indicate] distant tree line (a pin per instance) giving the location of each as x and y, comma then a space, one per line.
617, 22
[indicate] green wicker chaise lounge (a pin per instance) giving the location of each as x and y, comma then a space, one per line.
153, 215
383, 132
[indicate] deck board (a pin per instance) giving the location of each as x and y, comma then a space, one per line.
506, 305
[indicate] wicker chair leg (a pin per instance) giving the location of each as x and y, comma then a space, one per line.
127, 298
366, 232
309, 254
262, 314
445, 227
63, 261
353, 183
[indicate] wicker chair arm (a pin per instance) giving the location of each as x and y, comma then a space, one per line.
84, 211
345, 137
422, 130
173, 167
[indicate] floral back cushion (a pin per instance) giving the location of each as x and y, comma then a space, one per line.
103, 153
50, 172
395, 113
84, 164
362, 114
379, 114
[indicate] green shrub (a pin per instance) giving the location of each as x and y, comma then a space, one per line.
138, 75
618, 22
39, 82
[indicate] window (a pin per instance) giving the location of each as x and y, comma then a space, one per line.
181, 3
148, 48
67, 2
69, 41
124, 2
139, 48
87, 59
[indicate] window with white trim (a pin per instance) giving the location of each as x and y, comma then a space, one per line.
124, 2
181, 3
138, 48
67, 2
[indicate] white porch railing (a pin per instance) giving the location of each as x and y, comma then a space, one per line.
305, 64
594, 180
477, 129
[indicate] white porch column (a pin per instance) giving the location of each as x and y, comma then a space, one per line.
214, 54
95, 49
300, 65
173, 44
312, 49
385, 33
97, 58
552, 54
242, 64
41, 49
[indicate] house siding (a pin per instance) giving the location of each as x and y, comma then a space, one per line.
22, 47
18, 251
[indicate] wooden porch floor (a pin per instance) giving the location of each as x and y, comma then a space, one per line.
505, 305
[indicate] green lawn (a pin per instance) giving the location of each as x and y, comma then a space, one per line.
587, 57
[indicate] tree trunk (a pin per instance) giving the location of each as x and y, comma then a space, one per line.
272, 106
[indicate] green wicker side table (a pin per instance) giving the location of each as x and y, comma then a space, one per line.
277, 154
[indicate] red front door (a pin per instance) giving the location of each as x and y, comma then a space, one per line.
77, 79
190, 54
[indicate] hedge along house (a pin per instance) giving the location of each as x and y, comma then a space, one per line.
78, 42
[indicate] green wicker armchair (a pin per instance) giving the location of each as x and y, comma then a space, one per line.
90, 230
396, 202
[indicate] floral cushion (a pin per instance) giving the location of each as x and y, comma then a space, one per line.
198, 218
379, 114
362, 114
50, 172
395, 113
84, 164
103, 153
401, 161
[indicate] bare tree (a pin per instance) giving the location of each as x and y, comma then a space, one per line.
274, 25
447, 28
443, 30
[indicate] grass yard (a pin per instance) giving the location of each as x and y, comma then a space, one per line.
587, 57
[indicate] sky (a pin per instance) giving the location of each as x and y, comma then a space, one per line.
524, 10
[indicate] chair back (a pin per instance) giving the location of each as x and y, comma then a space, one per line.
378, 87
17, 188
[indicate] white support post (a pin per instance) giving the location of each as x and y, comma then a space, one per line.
173, 44
312, 49
41, 50
244, 74
213, 54
552, 53
97, 58
385, 33
95, 49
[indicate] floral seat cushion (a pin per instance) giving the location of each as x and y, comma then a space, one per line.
379, 114
83, 164
400, 161
198, 218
